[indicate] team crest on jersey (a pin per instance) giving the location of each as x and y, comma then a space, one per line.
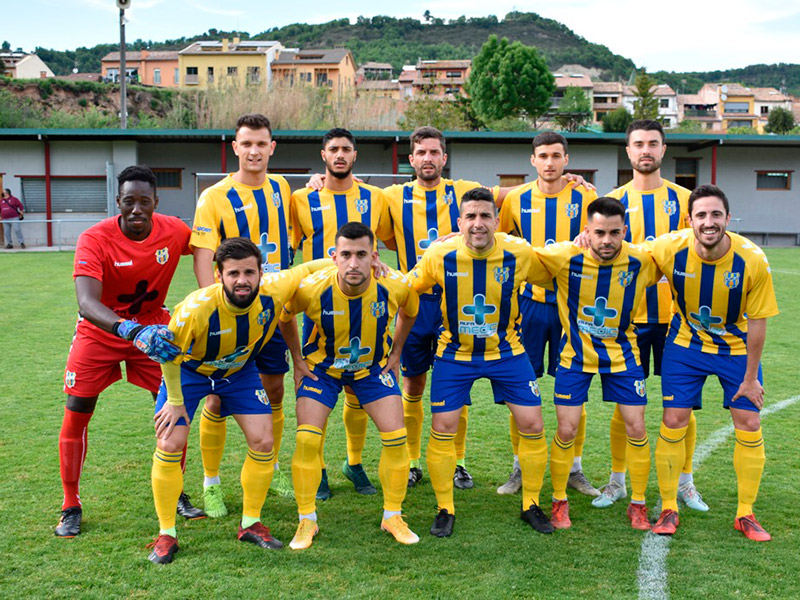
264, 317
731, 279
625, 278
276, 199
449, 197
162, 256
362, 205
377, 309
534, 385
386, 379
261, 396
572, 210
640, 387
670, 207
69, 379
501, 274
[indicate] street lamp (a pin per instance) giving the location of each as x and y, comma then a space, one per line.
123, 92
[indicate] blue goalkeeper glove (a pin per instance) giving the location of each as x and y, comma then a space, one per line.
153, 340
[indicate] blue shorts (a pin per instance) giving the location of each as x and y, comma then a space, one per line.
326, 389
273, 358
685, 371
241, 393
651, 336
513, 381
540, 328
420, 347
572, 387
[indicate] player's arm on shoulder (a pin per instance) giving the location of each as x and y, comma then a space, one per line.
548, 261
421, 276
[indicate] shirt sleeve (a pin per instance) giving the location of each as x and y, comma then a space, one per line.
506, 214
205, 230
409, 299
422, 275
88, 257
181, 324
547, 263
384, 230
761, 302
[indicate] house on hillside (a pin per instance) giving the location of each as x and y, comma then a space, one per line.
668, 113
157, 67
607, 97
568, 80
374, 71
334, 69
441, 79
767, 99
21, 65
228, 62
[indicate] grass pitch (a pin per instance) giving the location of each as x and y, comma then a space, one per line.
492, 553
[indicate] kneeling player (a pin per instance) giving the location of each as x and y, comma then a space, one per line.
350, 346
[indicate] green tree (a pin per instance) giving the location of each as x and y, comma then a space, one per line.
689, 126
617, 120
574, 110
427, 16
510, 80
646, 104
781, 120
442, 114
6, 46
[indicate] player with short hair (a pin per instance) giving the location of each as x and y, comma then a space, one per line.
480, 273
548, 210
350, 345
123, 269
220, 330
654, 206
251, 204
723, 294
598, 290
316, 216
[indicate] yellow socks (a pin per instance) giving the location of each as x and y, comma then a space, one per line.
277, 427
532, 463
256, 478
748, 462
461, 434
167, 480
413, 416
393, 469
670, 457
514, 433
355, 428
322, 447
306, 467
441, 458
619, 441
561, 456
638, 454
690, 441
212, 441
580, 436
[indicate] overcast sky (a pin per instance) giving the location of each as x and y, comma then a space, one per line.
681, 35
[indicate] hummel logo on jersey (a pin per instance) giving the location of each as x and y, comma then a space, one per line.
683, 274
478, 311
162, 256
319, 208
456, 274
220, 332
127, 263
411, 201
333, 313
528, 211
239, 209
598, 314
580, 275
731, 279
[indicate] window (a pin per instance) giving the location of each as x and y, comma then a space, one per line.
253, 74
305, 77
587, 174
157, 76
663, 103
624, 176
747, 123
168, 179
601, 100
210, 75
454, 74
233, 71
176, 76
736, 107
774, 180
765, 110
509, 179
686, 172
68, 194
429, 74
322, 79
191, 70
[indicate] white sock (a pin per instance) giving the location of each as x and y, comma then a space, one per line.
312, 516
277, 466
618, 477
576, 465
388, 514
207, 481
516, 462
637, 501
686, 478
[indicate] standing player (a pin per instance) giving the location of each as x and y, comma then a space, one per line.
316, 216
723, 292
219, 330
598, 292
248, 203
545, 211
480, 274
350, 345
654, 206
123, 268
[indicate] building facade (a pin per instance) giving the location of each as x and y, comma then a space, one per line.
228, 62
157, 68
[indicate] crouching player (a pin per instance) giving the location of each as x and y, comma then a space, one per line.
350, 346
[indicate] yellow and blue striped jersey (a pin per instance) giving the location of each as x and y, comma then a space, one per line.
649, 214
217, 339
480, 306
351, 333
231, 209
715, 299
596, 304
542, 220
316, 216
420, 215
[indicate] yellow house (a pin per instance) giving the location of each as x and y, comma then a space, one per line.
334, 69
207, 64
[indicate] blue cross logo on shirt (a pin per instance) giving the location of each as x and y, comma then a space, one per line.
266, 246
433, 234
599, 313
354, 350
705, 318
479, 310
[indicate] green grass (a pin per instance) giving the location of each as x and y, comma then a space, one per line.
492, 554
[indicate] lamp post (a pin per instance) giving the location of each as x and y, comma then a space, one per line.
123, 72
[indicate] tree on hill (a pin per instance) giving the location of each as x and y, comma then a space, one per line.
574, 110
781, 120
617, 120
510, 80
646, 104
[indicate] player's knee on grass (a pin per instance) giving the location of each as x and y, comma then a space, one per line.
529, 419
746, 420
176, 440
446, 422
81, 405
675, 418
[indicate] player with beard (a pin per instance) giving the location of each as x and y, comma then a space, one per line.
654, 206
316, 216
219, 331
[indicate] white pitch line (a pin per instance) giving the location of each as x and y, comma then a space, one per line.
782, 272
652, 572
